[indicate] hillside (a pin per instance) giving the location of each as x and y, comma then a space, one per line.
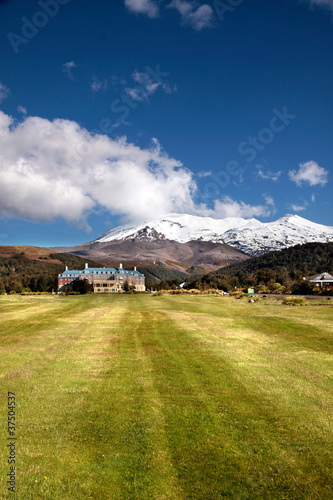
163, 252
286, 267
35, 268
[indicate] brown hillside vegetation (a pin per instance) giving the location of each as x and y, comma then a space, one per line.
26, 268
208, 255
33, 253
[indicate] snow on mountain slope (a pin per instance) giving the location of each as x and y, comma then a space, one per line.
286, 232
249, 235
181, 228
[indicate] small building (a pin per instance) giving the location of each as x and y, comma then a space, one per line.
323, 280
103, 279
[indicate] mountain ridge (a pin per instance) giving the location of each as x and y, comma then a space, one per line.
247, 235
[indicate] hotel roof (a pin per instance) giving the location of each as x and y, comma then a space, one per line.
102, 270
321, 277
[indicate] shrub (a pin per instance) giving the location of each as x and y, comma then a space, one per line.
238, 294
294, 301
304, 288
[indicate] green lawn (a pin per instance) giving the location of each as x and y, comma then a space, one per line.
168, 397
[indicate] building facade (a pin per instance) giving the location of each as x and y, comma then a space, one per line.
323, 280
103, 279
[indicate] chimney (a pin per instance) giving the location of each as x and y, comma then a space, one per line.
120, 266
66, 268
134, 268
86, 267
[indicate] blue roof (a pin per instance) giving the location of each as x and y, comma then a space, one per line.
102, 270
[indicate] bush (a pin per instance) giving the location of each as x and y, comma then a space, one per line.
237, 294
304, 288
294, 301
82, 286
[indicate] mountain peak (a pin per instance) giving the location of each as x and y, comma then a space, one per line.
248, 235
289, 217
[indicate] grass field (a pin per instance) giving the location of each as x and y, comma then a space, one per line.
169, 397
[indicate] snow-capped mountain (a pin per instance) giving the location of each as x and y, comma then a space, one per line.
286, 232
181, 228
249, 235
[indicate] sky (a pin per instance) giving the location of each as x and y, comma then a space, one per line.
127, 110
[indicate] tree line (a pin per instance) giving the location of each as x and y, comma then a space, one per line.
19, 274
276, 272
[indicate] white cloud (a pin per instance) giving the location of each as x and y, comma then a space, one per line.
204, 173
98, 85
322, 3
67, 69
309, 172
21, 109
298, 208
137, 94
147, 7
56, 168
51, 169
4, 92
117, 82
231, 208
192, 14
148, 85
269, 200
268, 174
227, 207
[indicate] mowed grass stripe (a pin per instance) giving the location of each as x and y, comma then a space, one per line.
274, 366
39, 315
200, 445
123, 421
168, 397
59, 374
289, 424
99, 427
155, 477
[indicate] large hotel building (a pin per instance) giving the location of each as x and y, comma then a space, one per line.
103, 279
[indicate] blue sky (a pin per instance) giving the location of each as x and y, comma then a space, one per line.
126, 110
